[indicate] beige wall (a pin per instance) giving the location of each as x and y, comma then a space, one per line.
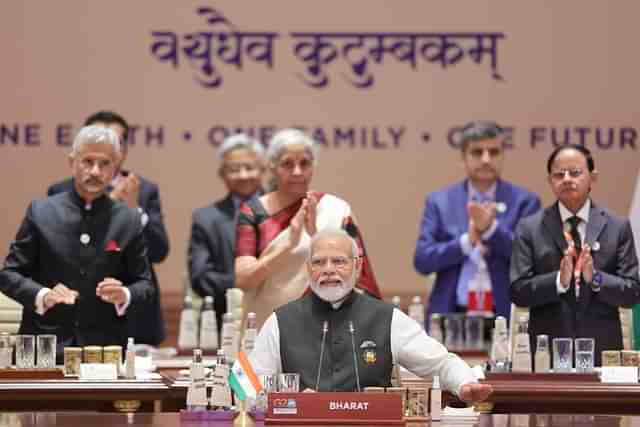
565, 64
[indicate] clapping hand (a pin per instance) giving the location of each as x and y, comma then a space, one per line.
59, 294
585, 263
111, 291
310, 213
482, 215
127, 190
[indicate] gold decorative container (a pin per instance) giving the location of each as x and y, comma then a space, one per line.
611, 358
93, 354
629, 358
72, 360
112, 354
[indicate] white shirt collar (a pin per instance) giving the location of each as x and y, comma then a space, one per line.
491, 192
583, 213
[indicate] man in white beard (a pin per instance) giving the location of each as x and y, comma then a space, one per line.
324, 333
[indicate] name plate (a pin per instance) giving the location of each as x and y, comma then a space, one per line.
619, 374
98, 371
334, 408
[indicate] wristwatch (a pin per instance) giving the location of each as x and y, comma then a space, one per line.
596, 281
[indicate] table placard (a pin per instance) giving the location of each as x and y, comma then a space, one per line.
619, 374
98, 371
343, 408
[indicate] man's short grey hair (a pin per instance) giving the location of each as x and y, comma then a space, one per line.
95, 134
286, 137
480, 130
332, 233
238, 141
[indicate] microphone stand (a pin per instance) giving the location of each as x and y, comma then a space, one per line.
353, 350
325, 328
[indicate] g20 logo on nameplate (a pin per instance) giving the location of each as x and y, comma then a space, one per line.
282, 406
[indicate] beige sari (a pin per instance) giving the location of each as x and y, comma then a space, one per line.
291, 282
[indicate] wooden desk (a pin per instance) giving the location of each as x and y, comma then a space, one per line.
554, 397
51, 419
72, 394
565, 394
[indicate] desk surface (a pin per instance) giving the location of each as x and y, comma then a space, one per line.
47, 419
168, 394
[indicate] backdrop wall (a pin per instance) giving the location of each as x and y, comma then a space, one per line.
383, 85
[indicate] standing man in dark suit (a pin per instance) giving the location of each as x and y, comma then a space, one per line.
79, 262
574, 263
145, 321
467, 229
211, 255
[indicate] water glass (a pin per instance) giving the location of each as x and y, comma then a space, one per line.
25, 351
542, 362
269, 383
584, 354
474, 333
453, 325
562, 354
288, 383
6, 350
46, 351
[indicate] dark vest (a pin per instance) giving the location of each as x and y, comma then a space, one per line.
300, 324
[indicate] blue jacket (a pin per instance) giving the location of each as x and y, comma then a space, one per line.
438, 248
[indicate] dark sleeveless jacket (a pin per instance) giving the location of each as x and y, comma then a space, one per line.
300, 325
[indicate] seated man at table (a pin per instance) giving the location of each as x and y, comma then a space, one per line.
79, 259
340, 324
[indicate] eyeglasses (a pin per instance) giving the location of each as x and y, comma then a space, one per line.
478, 152
339, 262
559, 175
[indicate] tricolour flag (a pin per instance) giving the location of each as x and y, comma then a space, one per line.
242, 379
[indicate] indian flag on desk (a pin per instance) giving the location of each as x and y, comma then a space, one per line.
242, 379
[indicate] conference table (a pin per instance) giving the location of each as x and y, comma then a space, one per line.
166, 392
82, 419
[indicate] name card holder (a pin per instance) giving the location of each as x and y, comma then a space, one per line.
98, 371
326, 408
619, 374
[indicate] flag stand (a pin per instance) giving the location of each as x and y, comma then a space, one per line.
243, 419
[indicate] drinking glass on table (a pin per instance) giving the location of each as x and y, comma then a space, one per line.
584, 354
562, 354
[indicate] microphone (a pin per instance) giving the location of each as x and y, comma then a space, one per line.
325, 329
352, 331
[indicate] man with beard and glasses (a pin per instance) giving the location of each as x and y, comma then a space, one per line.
145, 321
467, 230
575, 263
376, 333
79, 260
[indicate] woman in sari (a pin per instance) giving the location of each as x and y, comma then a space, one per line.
274, 231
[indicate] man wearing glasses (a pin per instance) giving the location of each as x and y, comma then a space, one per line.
574, 263
467, 229
211, 255
340, 339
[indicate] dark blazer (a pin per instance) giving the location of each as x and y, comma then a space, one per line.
438, 248
537, 251
211, 254
145, 322
48, 250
